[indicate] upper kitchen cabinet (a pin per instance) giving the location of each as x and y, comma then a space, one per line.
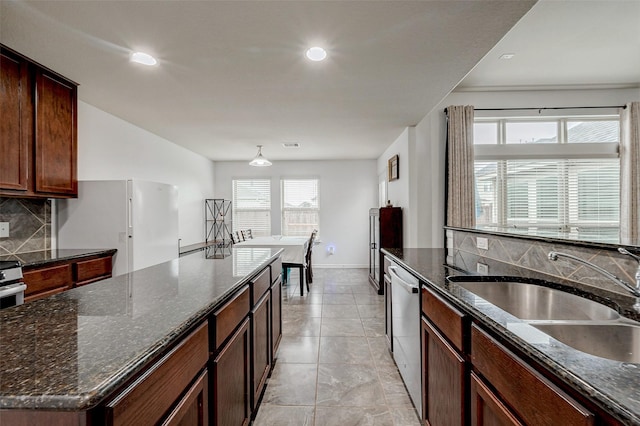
38, 132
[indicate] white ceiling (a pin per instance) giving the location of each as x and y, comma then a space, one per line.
566, 44
232, 73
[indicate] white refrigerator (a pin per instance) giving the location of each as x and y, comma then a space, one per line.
138, 218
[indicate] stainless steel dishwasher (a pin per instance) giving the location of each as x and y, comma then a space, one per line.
405, 308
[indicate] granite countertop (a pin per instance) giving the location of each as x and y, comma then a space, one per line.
71, 350
44, 257
612, 385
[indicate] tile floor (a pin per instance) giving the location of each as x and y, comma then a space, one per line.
333, 366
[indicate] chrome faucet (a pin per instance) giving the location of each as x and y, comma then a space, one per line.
553, 255
637, 259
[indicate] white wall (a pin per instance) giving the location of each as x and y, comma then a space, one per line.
425, 205
402, 192
347, 191
111, 148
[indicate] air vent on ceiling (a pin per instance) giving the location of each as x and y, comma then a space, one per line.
291, 145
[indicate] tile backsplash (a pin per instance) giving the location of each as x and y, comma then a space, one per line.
29, 225
517, 255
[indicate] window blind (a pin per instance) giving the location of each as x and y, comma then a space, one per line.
578, 194
252, 206
300, 207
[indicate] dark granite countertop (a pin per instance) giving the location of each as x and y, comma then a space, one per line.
44, 257
71, 350
190, 248
612, 385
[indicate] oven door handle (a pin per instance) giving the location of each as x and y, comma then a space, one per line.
11, 290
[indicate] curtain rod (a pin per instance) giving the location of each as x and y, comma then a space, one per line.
544, 108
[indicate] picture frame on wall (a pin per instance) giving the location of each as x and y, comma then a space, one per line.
393, 168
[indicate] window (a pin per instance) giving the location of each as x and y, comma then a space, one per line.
548, 174
252, 206
300, 207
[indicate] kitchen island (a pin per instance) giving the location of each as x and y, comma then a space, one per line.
610, 390
75, 353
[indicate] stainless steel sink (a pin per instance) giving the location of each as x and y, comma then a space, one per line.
534, 302
619, 342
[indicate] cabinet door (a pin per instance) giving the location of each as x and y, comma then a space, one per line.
56, 138
261, 346
486, 408
276, 317
15, 126
443, 381
530, 395
192, 410
231, 381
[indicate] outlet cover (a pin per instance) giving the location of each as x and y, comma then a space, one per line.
4, 229
482, 268
482, 243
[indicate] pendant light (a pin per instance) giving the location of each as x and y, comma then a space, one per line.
260, 161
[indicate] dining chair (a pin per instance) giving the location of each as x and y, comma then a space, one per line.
233, 238
307, 258
238, 236
244, 235
249, 234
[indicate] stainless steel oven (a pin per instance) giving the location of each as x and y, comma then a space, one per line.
12, 286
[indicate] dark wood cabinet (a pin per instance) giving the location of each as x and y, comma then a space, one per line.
524, 392
261, 349
246, 332
193, 408
486, 407
443, 387
38, 132
167, 384
385, 231
231, 381
55, 138
276, 317
444, 366
16, 123
58, 276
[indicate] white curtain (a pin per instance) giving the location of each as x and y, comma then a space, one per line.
630, 174
460, 176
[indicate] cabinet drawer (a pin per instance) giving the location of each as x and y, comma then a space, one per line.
151, 396
451, 322
260, 285
91, 270
46, 279
227, 318
276, 269
531, 396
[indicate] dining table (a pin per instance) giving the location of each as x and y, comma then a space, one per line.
293, 255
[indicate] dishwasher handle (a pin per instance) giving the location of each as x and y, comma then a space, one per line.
395, 278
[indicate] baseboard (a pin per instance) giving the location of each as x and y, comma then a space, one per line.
340, 266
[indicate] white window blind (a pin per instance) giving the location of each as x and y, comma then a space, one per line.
300, 207
252, 206
577, 194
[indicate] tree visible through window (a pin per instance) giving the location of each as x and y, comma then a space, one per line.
300, 207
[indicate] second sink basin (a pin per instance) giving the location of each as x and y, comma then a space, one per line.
619, 342
535, 302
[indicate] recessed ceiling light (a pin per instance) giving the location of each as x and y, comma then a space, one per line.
291, 145
143, 58
316, 54
507, 56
